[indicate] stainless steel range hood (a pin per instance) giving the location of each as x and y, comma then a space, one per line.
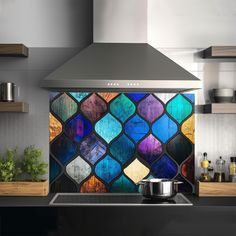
121, 67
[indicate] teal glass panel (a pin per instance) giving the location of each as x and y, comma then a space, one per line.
164, 128
122, 149
79, 96
107, 169
108, 127
122, 107
179, 108
64, 107
123, 185
136, 128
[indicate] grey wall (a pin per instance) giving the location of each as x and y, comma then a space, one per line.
43, 23
56, 30
120, 21
191, 24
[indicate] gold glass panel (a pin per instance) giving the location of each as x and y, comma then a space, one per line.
55, 127
188, 128
136, 171
108, 96
93, 185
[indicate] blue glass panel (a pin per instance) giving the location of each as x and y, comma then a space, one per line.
63, 149
136, 128
78, 127
164, 128
55, 169
122, 108
107, 169
190, 96
123, 185
122, 149
108, 127
165, 167
136, 96
79, 96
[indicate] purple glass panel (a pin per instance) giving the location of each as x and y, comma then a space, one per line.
150, 149
150, 108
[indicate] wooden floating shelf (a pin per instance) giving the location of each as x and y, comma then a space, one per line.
14, 50
14, 107
217, 108
21, 188
214, 189
220, 52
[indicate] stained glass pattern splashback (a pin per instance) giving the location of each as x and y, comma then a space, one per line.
107, 142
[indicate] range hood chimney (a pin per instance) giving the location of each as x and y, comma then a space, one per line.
121, 67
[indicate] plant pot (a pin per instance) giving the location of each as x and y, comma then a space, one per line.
24, 188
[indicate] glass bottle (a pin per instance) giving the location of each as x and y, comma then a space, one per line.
219, 175
232, 169
211, 170
205, 177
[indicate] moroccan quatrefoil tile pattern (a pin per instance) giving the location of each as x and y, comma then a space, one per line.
107, 142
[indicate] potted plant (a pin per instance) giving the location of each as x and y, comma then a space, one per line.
31, 166
9, 167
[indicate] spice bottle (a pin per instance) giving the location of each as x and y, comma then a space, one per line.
205, 177
232, 169
219, 175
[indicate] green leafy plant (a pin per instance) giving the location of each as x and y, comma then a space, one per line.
32, 163
9, 167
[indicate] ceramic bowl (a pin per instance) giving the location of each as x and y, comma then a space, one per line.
225, 95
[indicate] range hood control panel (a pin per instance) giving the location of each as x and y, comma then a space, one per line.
123, 84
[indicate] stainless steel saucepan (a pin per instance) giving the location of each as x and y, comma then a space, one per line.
159, 188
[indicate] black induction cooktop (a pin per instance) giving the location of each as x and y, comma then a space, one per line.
112, 199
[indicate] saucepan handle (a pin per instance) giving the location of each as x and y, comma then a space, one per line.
177, 182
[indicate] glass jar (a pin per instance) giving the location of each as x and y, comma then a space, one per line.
219, 175
232, 169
